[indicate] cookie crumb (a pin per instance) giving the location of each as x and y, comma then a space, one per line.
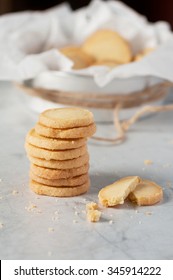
49, 254
1, 225
14, 192
93, 215
1, 197
148, 162
0, 180
91, 206
75, 221
56, 212
148, 213
31, 207
76, 213
110, 222
168, 184
50, 229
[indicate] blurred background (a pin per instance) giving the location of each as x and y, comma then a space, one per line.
154, 9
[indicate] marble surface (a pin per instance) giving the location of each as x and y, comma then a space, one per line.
57, 228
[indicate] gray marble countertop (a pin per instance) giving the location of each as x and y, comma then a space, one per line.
57, 228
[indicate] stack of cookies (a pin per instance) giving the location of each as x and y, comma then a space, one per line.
57, 150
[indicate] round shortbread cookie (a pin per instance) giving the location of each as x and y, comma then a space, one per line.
53, 144
61, 164
108, 45
60, 192
146, 193
66, 118
70, 182
78, 132
107, 63
59, 173
56, 155
80, 59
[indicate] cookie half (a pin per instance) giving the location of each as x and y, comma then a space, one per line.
59, 173
66, 118
146, 193
57, 191
117, 192
56, 154
37, 140
71, 133
61, 164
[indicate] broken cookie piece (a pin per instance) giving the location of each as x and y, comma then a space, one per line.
93, 215
146, 193
91, 206
117, 192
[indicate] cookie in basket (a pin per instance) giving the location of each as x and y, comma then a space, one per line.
107, 63
108, 45
80, 58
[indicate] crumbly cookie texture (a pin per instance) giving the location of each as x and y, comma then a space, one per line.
148, 162
60, 164
117, 192
56, 154
93, 215
107, 45
66, 118
146, 193
59, 191
37, 140
70, 133
92, 206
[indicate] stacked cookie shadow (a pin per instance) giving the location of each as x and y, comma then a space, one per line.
57, 150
